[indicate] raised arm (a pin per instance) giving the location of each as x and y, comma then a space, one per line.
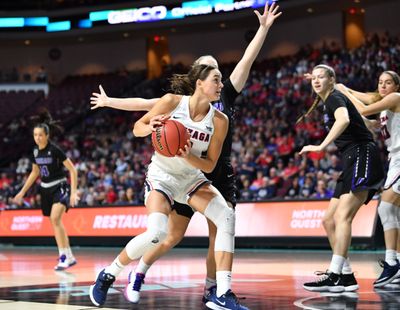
159, 113
100, 100
214, 149
241, 72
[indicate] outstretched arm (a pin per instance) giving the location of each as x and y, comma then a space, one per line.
390, 102
100, 100
366, 98
241, 72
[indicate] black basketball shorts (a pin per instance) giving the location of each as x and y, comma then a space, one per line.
362, 171
58, 193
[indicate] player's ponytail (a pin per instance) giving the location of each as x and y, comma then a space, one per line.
312, 108
45, 121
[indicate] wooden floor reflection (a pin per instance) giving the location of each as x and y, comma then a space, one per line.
263, 279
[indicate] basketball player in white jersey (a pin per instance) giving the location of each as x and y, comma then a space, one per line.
389, 207
180, 178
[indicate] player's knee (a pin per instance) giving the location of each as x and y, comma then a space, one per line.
172, 240
224, 218
328, 224
388, 213
157, 227
221, 215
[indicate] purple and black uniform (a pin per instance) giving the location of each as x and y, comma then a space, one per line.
362, 165
53, 187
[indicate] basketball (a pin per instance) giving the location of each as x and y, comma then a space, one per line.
169, 138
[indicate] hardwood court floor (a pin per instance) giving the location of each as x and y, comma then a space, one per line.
265, 279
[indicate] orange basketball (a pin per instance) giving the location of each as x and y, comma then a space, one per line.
169, 138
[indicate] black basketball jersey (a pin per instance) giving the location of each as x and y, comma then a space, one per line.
356, 132
226, 106
50, 161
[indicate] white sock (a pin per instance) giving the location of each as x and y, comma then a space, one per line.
390, 257
62, 251
69, 253
210, 283
224, 279
115, 268
337, 263
346, 269
142, 267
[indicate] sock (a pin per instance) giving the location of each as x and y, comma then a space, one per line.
337, 263
224, 279
390, 257
62, 251
347, 267
69, 253
115, 268
210, 283
142, 267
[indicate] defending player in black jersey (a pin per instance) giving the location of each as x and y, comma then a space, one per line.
361, 178
48, 161
222, 177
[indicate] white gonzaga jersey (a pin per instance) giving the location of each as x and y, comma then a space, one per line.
390, 129
200, 136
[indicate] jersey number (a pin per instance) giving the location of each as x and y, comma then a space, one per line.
44, 172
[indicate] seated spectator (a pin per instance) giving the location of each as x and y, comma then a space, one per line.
321, 191
294, 190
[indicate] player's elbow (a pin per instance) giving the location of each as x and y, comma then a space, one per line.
209, 168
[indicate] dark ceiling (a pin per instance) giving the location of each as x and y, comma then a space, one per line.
19, 5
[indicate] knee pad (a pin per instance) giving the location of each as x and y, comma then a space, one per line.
388, 214
157, 228
224, 218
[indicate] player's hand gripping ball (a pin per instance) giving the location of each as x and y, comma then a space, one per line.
169, 138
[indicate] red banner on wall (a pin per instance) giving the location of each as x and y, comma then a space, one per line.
266, 219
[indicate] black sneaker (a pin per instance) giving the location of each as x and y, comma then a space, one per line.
328, 281
388, 274
349, 282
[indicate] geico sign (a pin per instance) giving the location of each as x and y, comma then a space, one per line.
145, 14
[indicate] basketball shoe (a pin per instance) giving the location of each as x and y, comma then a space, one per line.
328, 281
65, 262
349, 282
207, 293
132, 290
226, 301
388, 274
98, 291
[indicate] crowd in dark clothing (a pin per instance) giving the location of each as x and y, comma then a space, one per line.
111, 162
